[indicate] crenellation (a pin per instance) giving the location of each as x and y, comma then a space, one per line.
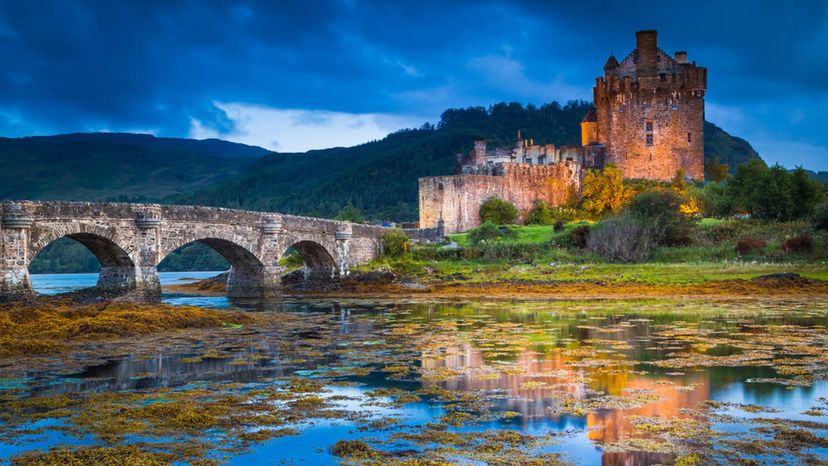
647, 119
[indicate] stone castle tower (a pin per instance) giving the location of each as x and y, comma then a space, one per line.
649, 113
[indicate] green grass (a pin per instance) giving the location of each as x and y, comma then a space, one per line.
711, 257
526, 234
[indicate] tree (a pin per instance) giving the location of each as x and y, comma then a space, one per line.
395, 243
498, 211
662, 209
774, 193
716, 171
603, 191
350, 213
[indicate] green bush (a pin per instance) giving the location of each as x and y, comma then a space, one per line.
541, 214
579, 235
820, 218
661, 208
487, 232
498, 211
395, 243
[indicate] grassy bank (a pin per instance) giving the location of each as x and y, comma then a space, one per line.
544, 255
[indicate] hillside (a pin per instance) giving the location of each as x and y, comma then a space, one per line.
110, 166
380, 177
731, 150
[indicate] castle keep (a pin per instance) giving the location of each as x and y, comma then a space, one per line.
647, 119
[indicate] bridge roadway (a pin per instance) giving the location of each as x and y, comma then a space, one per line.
130, 240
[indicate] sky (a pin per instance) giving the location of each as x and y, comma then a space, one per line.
292, 76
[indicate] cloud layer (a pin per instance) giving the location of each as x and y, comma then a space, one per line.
249, 71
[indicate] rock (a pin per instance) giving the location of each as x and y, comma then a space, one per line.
782, 277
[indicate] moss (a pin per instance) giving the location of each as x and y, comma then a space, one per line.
130, 455
51, 326
355, 449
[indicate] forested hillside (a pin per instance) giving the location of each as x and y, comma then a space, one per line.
379, 177
115, 166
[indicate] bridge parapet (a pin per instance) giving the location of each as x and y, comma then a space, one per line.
130, 240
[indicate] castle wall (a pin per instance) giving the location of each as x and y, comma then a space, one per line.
649, 86
457, 199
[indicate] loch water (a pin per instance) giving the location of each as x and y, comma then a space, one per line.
586, 374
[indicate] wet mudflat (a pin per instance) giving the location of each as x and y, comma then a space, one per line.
433, 382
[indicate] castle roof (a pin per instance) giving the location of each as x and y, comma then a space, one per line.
612, 63
591, 116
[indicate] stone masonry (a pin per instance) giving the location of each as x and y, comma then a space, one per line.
647, 118
130, 240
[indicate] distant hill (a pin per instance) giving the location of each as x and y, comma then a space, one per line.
731, 150
380, 177
115, 166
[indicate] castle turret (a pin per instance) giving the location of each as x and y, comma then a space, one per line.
649, 111
589, 128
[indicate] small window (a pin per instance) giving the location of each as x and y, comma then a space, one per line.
541, 160
649, 133
650, 126
689, 137
662, 77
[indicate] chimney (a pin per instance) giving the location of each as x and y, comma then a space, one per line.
681, 57
646, 44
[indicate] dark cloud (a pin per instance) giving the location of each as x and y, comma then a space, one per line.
90, 65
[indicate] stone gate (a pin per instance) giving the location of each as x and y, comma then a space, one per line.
130, 240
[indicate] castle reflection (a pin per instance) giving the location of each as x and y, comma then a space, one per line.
539, 380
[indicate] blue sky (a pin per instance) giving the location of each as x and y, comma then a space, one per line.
293, 76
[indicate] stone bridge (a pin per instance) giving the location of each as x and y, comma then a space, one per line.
130, 240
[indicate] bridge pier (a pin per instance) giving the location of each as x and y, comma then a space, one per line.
15, 228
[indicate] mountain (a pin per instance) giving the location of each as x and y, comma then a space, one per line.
116, 166
380, 177
730, 150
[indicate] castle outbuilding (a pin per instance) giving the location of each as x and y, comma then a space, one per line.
647, 119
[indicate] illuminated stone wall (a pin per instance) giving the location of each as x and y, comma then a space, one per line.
650, 112
457, 199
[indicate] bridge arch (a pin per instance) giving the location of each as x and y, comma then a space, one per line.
246, 275
118, 266
319, 264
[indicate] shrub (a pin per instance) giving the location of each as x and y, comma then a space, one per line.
498, 211
541, 214
624, 238
747, 245
579, 236
820, 218
488, 232
395, 243
799, 244
604, 191
559, 225
662, 208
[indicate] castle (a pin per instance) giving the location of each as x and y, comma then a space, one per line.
647, 119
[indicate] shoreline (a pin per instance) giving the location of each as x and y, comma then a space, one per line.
785, 285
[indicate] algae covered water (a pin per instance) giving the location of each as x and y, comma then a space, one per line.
422, 381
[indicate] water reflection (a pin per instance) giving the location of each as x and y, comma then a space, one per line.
535, 357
